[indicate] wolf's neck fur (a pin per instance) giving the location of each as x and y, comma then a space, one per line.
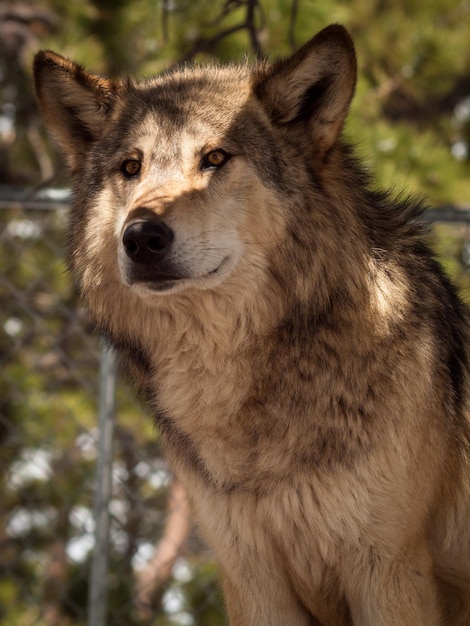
206, 353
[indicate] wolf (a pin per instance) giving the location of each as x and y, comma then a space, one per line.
302, 351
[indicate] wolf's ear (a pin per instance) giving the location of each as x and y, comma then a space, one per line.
74, 103
314, 86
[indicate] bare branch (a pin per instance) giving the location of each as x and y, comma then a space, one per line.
254, 14
292, 22
252, 6
38, 146
165, 19
150, 580
205, 44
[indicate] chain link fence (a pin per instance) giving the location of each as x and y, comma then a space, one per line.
93, 528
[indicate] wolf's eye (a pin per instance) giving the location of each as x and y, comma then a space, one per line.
214, 159
130, 167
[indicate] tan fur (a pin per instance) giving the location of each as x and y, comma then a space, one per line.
304, 355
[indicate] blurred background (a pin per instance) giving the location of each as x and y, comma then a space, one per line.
410, 122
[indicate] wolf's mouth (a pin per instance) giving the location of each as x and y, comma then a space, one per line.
220, 267
170, 279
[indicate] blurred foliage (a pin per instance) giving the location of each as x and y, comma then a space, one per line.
410, 121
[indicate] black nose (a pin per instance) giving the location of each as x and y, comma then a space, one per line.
147, 240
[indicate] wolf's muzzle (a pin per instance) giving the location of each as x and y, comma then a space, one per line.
147, 240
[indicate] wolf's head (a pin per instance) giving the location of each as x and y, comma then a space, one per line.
191, 180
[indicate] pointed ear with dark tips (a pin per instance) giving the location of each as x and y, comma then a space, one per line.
314, 87
75, 104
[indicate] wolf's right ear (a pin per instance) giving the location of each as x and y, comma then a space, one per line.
74, 103
312, 88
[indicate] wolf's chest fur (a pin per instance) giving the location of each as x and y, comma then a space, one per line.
255, 410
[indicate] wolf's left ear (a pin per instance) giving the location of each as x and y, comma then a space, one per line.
75, 104
314, 86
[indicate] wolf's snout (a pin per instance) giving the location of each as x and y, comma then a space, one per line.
147, 240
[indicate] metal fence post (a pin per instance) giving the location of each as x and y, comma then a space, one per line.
97, 596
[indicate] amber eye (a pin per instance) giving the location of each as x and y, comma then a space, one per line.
130, 167
214, 159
